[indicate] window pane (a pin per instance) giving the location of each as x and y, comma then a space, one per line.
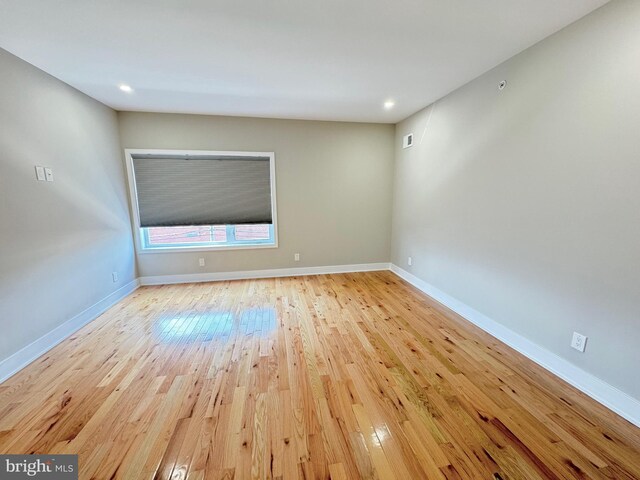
252, 232
179, 235
207, 235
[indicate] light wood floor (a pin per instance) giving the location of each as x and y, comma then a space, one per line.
336, 376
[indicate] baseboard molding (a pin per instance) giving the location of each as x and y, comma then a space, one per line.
608, 395
278, 272
23, 357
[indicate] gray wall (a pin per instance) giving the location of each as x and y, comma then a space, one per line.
334, 184
59, 241
525, 204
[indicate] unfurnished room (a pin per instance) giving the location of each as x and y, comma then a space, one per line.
320, 240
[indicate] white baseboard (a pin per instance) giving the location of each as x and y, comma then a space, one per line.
608, 395
23, 357
277, 272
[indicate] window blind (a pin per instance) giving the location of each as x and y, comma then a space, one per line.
202, 190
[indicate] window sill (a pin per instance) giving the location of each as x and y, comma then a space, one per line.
208, 248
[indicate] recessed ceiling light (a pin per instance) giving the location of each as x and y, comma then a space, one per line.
389, 104
126, 88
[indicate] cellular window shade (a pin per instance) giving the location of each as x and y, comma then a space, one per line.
216, 190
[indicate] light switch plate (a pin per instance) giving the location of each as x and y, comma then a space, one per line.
40, 173
48, 173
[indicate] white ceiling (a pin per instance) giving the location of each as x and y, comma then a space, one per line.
323, 59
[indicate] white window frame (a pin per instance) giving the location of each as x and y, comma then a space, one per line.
133, 197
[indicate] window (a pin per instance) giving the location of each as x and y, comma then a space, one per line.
194, 200
207, 236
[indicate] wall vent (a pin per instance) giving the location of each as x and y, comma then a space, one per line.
407, 140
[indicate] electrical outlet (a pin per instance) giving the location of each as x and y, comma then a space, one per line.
201, 262
409, 261
114, 276
40, 174
48, 174
579, 341
296, 257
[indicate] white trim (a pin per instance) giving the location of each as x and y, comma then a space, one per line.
23, 357
133, 196
277, 272
608, 395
